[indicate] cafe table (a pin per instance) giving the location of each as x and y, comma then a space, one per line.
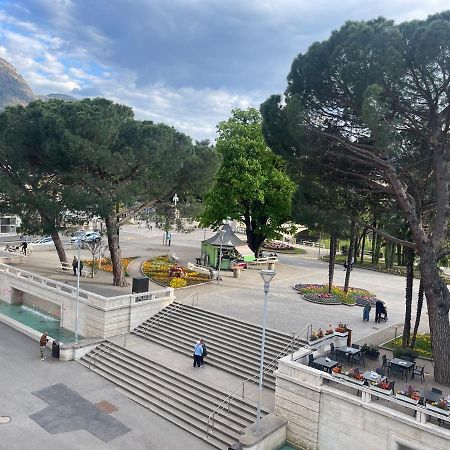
405, 366
325, 364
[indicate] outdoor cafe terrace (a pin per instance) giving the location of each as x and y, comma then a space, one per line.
407, 387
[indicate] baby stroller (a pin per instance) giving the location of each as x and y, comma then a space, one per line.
384, 315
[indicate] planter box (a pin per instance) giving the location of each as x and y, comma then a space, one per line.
337, 375
352, 380
339, 334
406, 399
381, 391
445, 412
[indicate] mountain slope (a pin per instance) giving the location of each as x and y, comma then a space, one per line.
14, 90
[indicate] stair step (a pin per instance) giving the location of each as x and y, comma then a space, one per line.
225, 362
171, 413
210, 400
235, 327
213, 336
214, 347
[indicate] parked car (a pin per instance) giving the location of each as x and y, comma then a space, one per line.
85, 236
45, 241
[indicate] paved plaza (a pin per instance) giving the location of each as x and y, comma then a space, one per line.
242, 298
35, 393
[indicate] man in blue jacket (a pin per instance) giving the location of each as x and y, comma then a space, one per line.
198, 354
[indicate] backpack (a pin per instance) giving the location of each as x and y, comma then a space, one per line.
205, 351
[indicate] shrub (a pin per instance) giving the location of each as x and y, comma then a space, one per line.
370, 350
400, 352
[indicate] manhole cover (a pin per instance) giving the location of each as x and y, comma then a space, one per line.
5, 419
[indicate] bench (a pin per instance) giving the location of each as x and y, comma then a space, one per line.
258, 262
64, 267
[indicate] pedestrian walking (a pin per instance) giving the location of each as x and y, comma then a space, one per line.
204, 350
366, 312
164, 238
24, 247
42, 344
198, 354
169, 238
379, 308
74, 265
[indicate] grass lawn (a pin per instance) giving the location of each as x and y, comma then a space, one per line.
294, 251
422, 347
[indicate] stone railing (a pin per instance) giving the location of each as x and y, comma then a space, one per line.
99, 316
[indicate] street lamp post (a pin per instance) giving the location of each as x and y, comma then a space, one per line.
222, 233
267, 276
77, 324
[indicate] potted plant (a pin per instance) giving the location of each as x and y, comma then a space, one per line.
383, 387
409, 395
336, 371
316, 335
441, 407
341, 330
329, 330
354, 376
370, 351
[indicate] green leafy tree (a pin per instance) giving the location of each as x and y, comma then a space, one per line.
251, 184
376, 96
125, 166
35, 181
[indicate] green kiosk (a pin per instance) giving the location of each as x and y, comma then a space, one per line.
233, 249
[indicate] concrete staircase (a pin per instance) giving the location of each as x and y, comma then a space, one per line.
176, 397
233, 345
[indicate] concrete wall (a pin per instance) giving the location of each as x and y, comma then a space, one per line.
322, 416
98, 316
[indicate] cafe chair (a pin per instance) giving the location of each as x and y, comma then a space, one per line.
385, 362
311, 360
332, 350
396, 371
419, 370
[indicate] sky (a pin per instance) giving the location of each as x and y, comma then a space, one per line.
186, 63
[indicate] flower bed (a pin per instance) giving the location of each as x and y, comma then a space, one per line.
162, 271
106, 264
318, 293
272, 245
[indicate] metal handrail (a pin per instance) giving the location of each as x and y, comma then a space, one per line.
229, 397
108, 345
179, 305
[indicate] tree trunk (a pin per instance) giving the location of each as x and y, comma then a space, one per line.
418, 314
438, 304
408, 296
112, 229
399, 255
59, 247
374, 243
331, 260
350, 255
254, 240
363, 246
391, 259
377, 249
387, 255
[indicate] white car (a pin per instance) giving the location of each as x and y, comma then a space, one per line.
44, 243
85, 236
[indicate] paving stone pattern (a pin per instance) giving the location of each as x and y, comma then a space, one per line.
69, 411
